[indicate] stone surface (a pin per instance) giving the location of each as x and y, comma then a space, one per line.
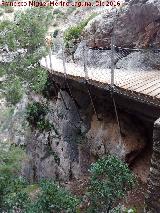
145, 60
136, 25
104, 138
66, 152
56, 153
93, 57
18, 128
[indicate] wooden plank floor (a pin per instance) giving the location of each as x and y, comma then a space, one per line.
140, 83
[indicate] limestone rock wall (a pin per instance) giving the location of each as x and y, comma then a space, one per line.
135, 25
66, 152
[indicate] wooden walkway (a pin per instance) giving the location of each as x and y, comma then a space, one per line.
144, 86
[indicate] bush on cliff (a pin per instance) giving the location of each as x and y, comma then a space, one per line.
110, 180
15, 191
53, 198
36, 115
10, 165
72, 35
14, 91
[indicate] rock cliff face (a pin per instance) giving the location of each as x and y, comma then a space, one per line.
78, 138
136, 25
104, 137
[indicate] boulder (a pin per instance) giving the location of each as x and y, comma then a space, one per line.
94, 57
144, 60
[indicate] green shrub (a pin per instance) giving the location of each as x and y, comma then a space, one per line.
36, 111
7, 29
110, 180
10, 158
13, 197
14, 91
44, 125
72, 35
53, 198
16, 202
39, 79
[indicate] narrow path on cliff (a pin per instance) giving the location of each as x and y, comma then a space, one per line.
143, 84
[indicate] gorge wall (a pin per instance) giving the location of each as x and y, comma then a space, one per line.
77, 138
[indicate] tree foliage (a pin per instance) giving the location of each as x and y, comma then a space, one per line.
10, 158
110, 180
15, 191
10, 184
53, 198
24, 39
14, 91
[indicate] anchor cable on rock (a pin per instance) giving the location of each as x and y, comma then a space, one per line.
113, 79
58, 88
87, 84
67, 84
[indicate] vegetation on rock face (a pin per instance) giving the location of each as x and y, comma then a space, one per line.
36, 115
110, 180
53, 198
35, 112
72, 34
15, 192
10, 165
14, 91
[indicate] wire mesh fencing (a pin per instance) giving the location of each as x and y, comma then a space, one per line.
101, 63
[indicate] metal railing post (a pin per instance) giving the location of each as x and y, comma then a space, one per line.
50, 57
85, 61
112, 59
